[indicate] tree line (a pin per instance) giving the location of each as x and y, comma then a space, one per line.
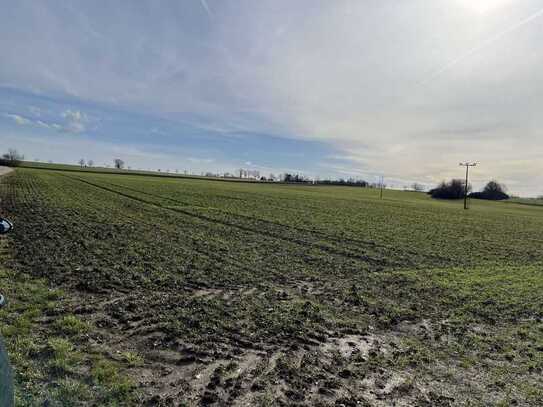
297, 178
453, 189
456, 189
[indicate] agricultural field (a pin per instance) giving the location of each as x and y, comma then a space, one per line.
141, 290
528, 201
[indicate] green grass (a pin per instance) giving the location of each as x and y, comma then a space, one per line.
527, 201
71, 325
141, 276
50, 357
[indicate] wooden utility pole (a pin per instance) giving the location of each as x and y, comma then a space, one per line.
467, 165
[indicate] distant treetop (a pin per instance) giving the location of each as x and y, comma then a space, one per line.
493, 191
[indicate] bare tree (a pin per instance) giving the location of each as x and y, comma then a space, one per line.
119, 164
82, 162
417, 187
495, 187
90, 163
12, 158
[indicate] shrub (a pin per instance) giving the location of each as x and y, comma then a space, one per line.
493, 191
454, 189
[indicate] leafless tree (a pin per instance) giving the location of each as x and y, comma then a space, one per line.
82, 162
417, 187
494, 187
12, 158
90, 163
119, 164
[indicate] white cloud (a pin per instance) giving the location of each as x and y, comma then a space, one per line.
20, 120
74, 115
75, 121
205, 7
358, 75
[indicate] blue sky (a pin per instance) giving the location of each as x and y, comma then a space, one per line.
326, 88
65, 129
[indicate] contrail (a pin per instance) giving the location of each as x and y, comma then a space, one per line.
206, 7
481, 46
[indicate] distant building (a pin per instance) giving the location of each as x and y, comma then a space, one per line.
250, 174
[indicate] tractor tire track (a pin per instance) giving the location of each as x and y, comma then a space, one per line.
341, 253
356, 243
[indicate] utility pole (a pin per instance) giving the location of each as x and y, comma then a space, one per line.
381, 191
467, 165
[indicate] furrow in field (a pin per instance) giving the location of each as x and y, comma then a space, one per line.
350, 252
154, 246
279, 229
185, 240
211, 309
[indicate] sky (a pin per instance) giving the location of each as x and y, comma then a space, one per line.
359, 88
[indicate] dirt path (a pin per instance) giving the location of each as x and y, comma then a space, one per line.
5, 170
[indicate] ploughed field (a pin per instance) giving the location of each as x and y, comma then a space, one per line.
144, 290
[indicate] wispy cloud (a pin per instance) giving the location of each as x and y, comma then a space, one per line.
206, 7
339, 84
482, 45
20, 120
75, 121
